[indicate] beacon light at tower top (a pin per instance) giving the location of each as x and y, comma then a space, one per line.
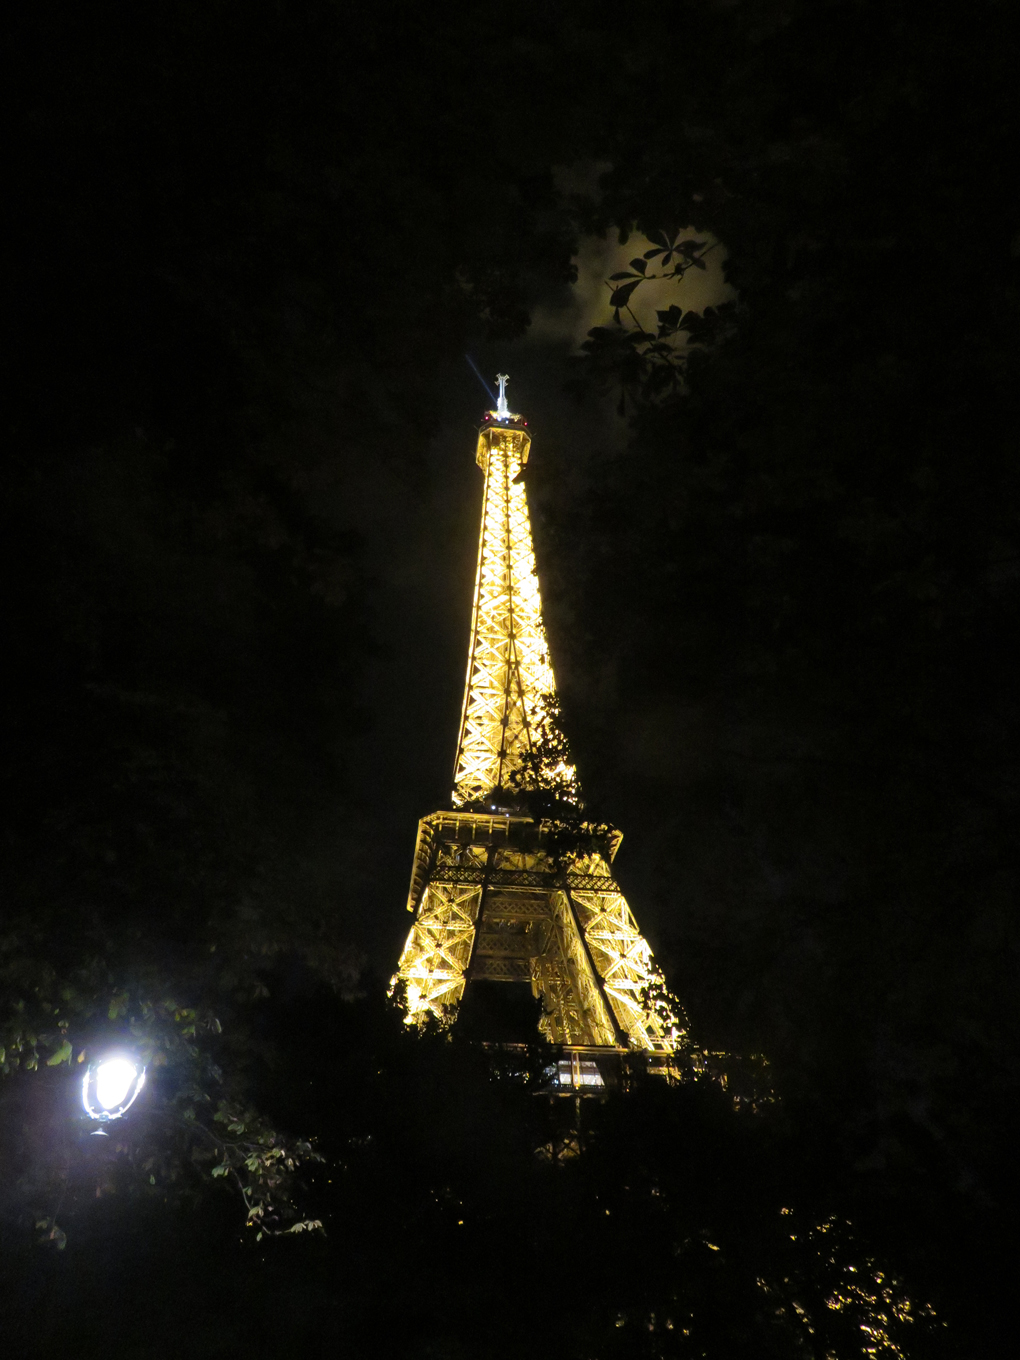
502, 409
502, 412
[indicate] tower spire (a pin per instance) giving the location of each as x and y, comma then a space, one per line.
502, 410
495, 895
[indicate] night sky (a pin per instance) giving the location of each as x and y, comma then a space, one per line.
253, 249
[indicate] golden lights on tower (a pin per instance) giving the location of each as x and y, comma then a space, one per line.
495, 895
508, 671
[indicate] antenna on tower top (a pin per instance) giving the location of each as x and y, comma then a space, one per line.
502, 410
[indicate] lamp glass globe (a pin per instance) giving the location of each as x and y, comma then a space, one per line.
114, 1079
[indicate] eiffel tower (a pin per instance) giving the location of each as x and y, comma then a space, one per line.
495, 895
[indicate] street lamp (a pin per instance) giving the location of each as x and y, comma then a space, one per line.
111, 1086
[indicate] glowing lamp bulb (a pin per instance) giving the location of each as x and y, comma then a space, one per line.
113, 1081
110, 1087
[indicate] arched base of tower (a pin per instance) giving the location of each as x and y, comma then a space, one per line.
498, 899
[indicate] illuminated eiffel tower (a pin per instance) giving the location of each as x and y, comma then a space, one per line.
495, 894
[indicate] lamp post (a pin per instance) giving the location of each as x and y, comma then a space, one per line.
111, 1086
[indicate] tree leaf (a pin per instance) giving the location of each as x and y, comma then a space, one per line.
621, 295
63, 1054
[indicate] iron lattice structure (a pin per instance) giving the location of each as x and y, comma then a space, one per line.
493, 894
508, 671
